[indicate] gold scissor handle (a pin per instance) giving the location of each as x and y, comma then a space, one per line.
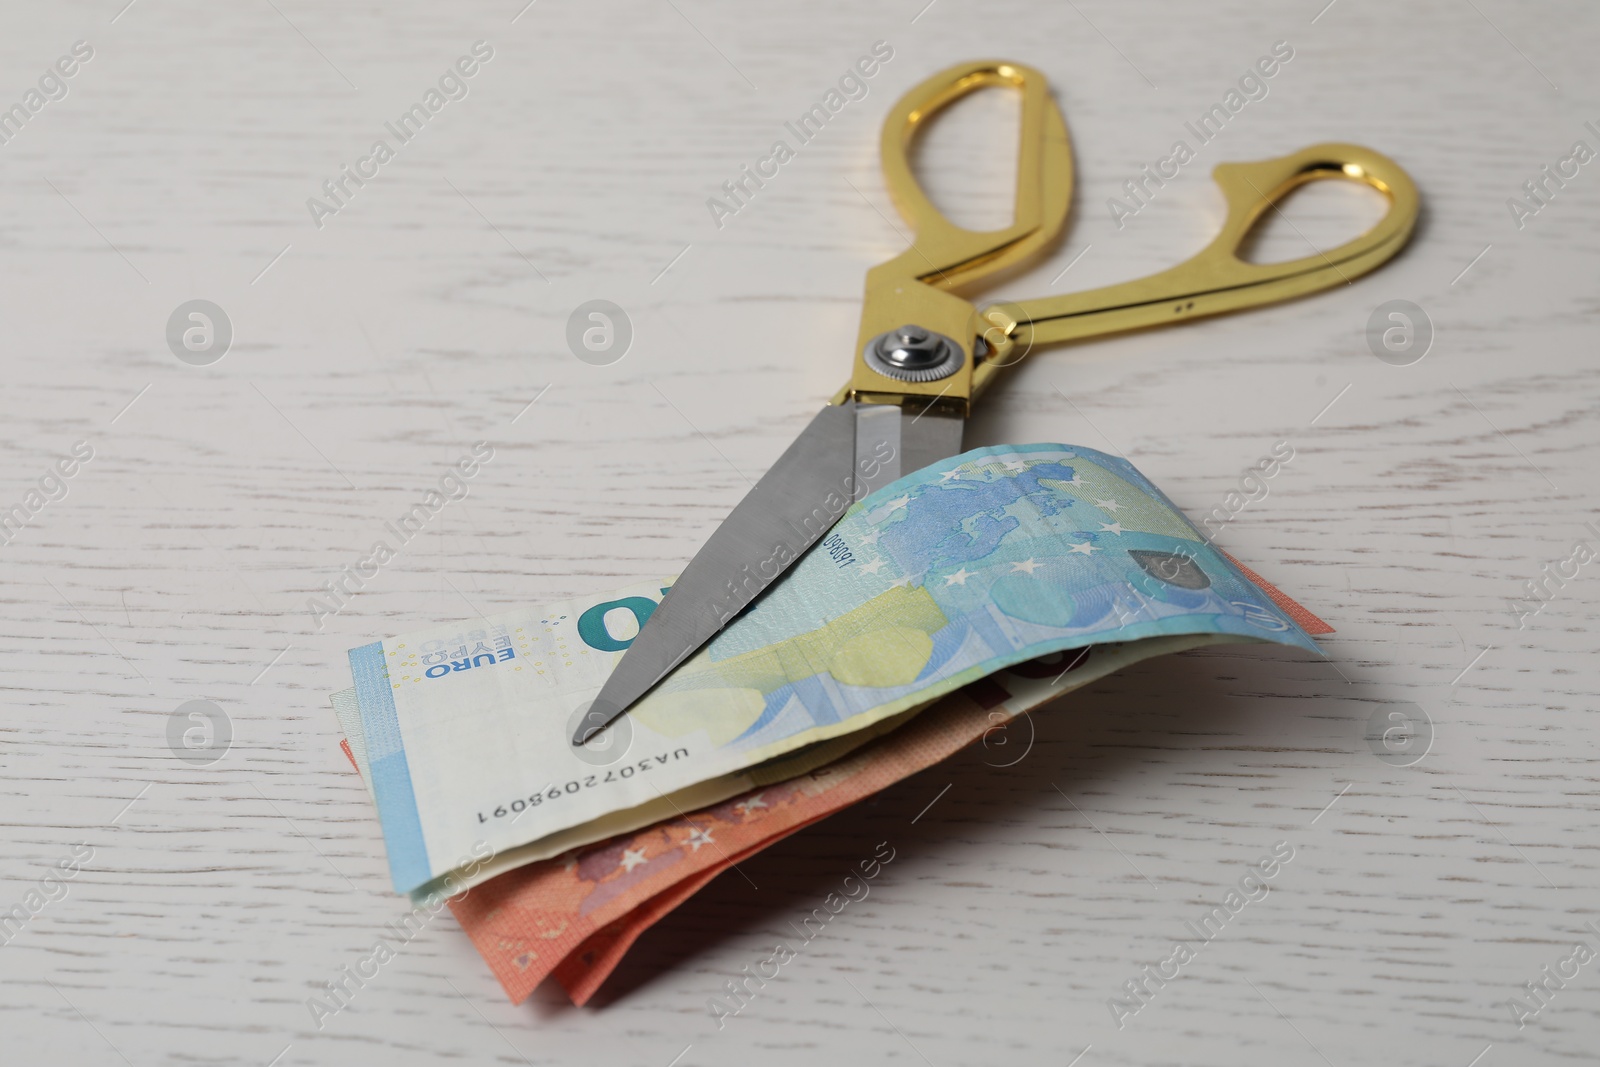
1216, 279
943, 253
912, 288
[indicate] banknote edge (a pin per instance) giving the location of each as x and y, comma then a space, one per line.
391, 774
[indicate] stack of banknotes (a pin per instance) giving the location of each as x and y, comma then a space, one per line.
937, 609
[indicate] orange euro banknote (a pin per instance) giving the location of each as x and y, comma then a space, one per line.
575, 916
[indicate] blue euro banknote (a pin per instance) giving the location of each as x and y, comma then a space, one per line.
982, 561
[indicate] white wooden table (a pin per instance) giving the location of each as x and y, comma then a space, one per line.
431, 308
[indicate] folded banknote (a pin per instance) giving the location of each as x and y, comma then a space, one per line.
575, 916
988, 559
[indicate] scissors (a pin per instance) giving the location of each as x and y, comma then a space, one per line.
924, 354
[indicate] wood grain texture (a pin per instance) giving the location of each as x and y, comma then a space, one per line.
432, 308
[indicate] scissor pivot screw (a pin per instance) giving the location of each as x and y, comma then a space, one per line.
913, 354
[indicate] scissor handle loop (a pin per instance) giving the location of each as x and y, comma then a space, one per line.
1252, 189
945, 254
1216, 279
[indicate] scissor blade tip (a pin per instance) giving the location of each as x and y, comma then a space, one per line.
597, 719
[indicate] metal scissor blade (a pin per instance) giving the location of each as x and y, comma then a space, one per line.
848, 451
927, 438
793, 504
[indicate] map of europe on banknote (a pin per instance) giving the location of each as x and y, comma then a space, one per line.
990, 558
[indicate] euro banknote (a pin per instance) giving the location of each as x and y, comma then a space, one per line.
988, 559
576, 916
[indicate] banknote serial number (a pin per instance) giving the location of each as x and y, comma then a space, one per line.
578, 785
838, 551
